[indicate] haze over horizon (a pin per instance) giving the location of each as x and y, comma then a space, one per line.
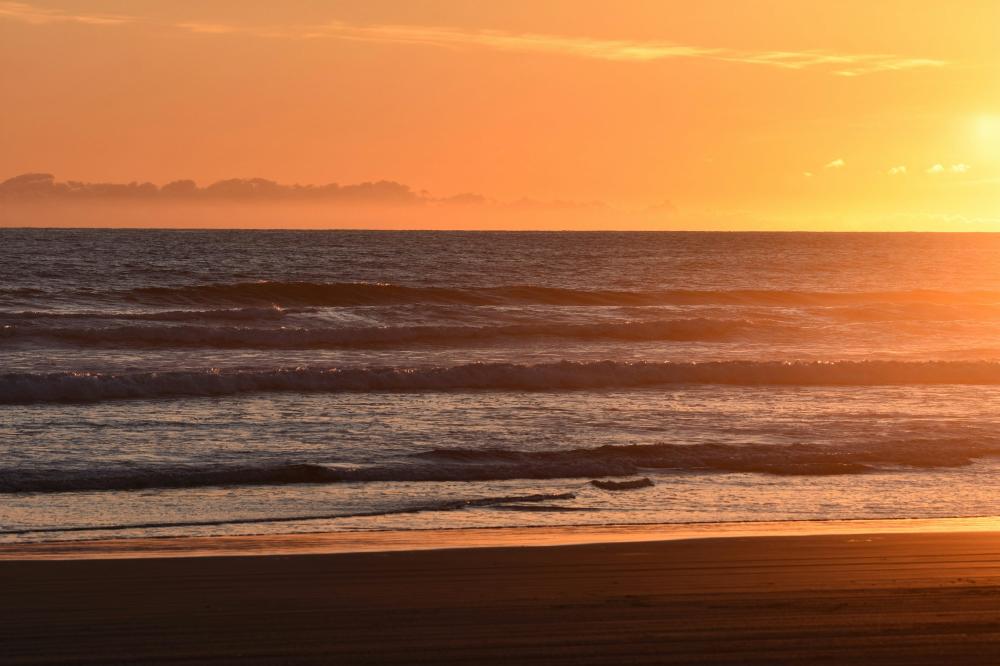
520, 115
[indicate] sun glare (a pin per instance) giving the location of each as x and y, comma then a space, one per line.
986, 136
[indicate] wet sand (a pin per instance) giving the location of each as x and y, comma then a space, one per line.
879, 598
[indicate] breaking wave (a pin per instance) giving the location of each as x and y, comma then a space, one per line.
303, 293
629, 460
459, 465
18, 388
364, 337
226, 314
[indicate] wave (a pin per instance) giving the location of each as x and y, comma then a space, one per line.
629, 460
620, 486
310, 293
20, 481
914, 311
303, 293
23, 291
366, 337
227, 314
469, 465
512, 501
18, 388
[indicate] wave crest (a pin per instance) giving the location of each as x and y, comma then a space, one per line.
226, 314
708, 330
628, 460
466, 465
18, 388
304, 293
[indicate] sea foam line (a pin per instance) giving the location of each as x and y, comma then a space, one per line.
299, 293
443, 505
701, 329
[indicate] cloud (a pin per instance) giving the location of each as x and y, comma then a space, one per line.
954, 168
454, 38
44, 187
835, 164
897, 171
207, 28
614, 50
21, 11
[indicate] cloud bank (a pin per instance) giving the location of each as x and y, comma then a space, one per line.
43, 187
35, 187
39, 200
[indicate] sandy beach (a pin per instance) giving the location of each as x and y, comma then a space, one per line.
834, 598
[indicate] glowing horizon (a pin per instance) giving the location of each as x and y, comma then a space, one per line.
657, 115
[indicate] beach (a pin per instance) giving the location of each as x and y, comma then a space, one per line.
886, 598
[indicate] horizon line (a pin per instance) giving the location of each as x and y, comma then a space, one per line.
505, 230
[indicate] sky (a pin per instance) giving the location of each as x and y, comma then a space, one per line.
717, 114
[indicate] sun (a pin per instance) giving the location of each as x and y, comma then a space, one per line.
986, 136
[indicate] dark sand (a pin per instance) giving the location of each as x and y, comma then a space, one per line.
879, 599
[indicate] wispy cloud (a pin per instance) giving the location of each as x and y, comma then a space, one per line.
21, 11
613, 50
897, 171
207, 28
835, 164
444, 37
621, 50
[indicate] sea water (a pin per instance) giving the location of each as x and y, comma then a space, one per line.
243, 382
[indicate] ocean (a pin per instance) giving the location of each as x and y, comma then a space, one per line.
165, 383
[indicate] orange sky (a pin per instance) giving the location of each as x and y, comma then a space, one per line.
842, 114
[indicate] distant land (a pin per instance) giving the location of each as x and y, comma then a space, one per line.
41, 187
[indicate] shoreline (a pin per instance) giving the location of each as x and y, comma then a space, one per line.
331, 543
